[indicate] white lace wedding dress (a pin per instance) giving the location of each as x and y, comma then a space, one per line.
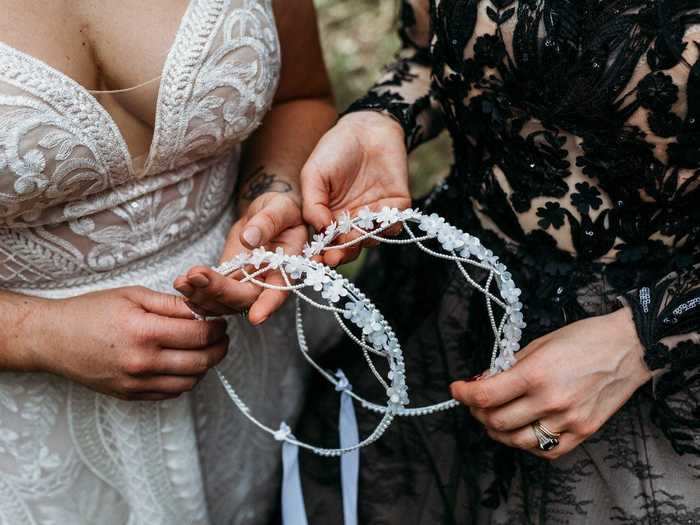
76, 216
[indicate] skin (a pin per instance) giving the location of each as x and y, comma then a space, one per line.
269, 196
572, 380
134, 343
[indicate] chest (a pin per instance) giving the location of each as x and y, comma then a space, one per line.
582, 66
208, 75
103, 46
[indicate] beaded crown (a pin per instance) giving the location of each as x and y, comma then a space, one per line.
324, 288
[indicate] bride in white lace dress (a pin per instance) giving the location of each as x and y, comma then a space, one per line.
120, 133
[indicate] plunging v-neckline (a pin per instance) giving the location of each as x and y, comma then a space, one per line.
116, 130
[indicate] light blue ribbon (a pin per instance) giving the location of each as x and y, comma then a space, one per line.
349, 462
293, 509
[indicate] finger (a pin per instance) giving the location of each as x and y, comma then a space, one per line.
567, 443
163, 304
279, 215
490, 391
315, 192
184, 334
334, 257
190, 362
269, 301
523, 438
218, 294
511, 416
393, 231
166, 385
182, 285
149, 396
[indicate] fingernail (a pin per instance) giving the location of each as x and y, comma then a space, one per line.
252, 236
261, 321
473, 378
199, 280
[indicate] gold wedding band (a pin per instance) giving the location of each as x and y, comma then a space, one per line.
546, 439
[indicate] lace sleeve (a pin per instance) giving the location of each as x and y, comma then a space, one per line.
667, 316
405, 91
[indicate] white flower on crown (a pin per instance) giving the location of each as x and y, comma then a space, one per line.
512, 331
330, 232
355, 312
410, 214
319, 238
505, 361
277, 258
319, 241
372, 322
388, 216
334, 290
344, 222
431, 224
316, 278
450, 238
258, 257
517, 319
296, 266
473, 248
379, 339
365, 219
364, 315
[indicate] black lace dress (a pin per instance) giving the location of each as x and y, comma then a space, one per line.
576, 131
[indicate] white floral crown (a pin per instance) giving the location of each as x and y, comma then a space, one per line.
372, 332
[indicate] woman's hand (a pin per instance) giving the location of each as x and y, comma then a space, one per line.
362, 161
272, 220
130, 343
572, 381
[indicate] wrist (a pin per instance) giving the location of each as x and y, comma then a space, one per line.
29, 333
263, 181
375, 118
262, 200
624, 327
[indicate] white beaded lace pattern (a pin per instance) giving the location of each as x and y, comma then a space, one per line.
78, 216
73, 207
372, 333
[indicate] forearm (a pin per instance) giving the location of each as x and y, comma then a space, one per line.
18, 317
405, 92
275, 154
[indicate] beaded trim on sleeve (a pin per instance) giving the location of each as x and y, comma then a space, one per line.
363, 323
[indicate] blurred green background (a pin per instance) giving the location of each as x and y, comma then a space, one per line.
359, 38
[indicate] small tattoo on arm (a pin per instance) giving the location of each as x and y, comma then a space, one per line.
260, 182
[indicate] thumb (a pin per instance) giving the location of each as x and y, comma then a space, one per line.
277, 216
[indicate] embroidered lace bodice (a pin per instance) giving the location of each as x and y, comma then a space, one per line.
576, 132
77, 214
73, 205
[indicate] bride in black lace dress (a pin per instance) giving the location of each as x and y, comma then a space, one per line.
576, 132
